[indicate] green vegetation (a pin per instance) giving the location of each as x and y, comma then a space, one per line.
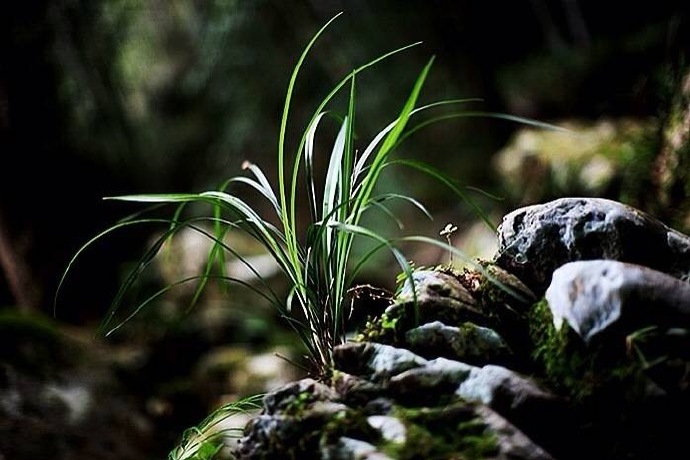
450, 431
381, 329
316, 256
317, 262
581, 371
205, 441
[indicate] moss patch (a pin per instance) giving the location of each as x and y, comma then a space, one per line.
450, 432
578, 370
349, 423
383, 329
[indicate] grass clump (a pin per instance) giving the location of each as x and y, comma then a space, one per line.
206, 440
316, 262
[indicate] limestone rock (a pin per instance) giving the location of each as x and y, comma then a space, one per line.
537, 239
428, 384
352, 449
592, 295
374, 360
440, 296
469, 343
289, 394
520, 400
512, 443
473, 371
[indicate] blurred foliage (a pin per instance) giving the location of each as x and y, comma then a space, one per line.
112, 97
123, 96
176, 96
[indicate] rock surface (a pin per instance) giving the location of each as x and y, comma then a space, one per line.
593, 295
480, 367
537, 239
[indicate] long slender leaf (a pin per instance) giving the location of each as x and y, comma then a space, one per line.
323, 104
391, 138
317, 265
91, 242
474, 114
142, 305
309, 165
447, 181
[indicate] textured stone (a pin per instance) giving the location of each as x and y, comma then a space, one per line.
391, 428
374, 360
352, 449
592, 295
357, 390
520, 400
470, 343
500, 388
422, 399
439, 378
307, 390
535, 240
440, 296
512, 443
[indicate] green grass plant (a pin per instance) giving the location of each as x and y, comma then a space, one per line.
317, 263
206, 440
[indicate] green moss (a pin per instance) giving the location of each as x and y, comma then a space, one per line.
383, 329
475, 441
450, 432
349, 423
578, 370
299, 403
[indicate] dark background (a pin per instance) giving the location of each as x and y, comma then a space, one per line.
111, 97
116, 97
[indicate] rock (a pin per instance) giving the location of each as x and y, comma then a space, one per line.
502, 291
357, 390
434, 382
352, 449
275, 436
391, 428
520, 400
297, 422
300, 393
592, 295
374, 360
535, 240
506, 301
511, 442
290, 423
468, 343
440, 296
488, 374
